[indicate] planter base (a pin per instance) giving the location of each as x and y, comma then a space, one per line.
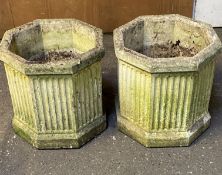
59, 140
162, 139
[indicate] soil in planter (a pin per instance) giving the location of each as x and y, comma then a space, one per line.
169, 50
52, 56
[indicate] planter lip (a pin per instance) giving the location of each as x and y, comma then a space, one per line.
174, 64
56, 67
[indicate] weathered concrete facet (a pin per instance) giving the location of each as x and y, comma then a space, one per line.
164, 101
57, 104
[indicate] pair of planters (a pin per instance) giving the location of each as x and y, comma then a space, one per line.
54, 75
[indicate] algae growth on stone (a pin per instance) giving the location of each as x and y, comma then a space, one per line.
164, 96
53, 69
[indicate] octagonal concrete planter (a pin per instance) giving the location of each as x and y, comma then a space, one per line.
164, 98
53, 69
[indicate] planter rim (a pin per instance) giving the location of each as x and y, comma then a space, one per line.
174, 64
57, 67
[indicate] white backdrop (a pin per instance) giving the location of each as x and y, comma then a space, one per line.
209, 11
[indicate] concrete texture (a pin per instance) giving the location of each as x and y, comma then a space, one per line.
164, 101
112, 152
50, 92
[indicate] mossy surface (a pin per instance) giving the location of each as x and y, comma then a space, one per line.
57, 102
164, 101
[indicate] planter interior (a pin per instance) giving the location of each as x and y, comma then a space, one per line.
165, 38
53, 69
43, 42
166, 68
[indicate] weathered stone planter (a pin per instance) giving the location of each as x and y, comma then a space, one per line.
54, 75
164, 101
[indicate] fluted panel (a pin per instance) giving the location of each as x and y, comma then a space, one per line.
134, 86
179, 100
57, 103
88, 95
171, 101
19, 86
202, 90
54, 103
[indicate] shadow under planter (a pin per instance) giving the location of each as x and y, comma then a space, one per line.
53, 69
165, 71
